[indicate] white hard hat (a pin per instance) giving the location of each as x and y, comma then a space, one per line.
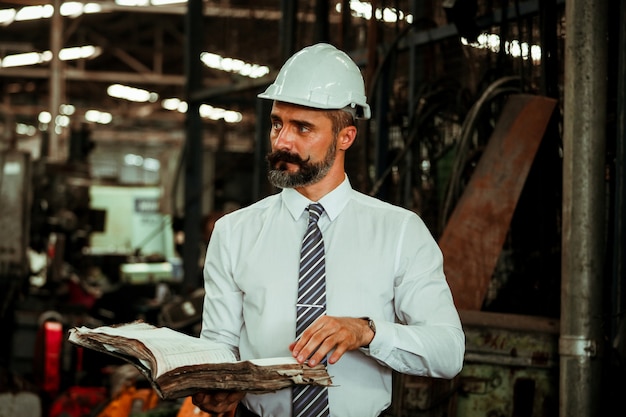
323, 77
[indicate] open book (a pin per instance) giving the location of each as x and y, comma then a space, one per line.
178, 365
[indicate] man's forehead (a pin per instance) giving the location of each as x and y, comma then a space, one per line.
290, 111
281, 105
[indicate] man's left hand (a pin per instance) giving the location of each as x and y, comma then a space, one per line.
339, 334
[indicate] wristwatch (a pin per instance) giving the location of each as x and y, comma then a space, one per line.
371, 325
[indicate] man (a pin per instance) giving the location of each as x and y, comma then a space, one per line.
387, 303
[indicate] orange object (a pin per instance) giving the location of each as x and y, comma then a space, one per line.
129, 401
190, 410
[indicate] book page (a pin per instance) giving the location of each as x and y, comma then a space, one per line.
171, 349
287, 360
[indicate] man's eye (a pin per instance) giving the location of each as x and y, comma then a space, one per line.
304, 129
277, 125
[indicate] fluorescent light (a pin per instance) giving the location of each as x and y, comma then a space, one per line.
131, 93
62, 120
364, 10
68, 9
238, 66
34, 12
71, 8
232, 116
166, 2
24, 129
97, 116
216, 113
65, 54
174, 104
79, 52
19, 60
68, 109
206, 110
44, 117
514, 48
92, 8
170, 103
182, 107
132, 2
7, 16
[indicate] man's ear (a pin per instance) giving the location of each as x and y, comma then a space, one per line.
346, 137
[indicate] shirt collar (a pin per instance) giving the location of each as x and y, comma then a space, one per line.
333, 202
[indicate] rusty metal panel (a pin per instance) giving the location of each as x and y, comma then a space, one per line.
511, 366
473, 237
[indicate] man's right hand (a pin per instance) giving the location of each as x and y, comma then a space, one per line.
217, 402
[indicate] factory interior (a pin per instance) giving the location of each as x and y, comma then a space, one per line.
128, 126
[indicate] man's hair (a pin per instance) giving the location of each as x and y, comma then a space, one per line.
340, 119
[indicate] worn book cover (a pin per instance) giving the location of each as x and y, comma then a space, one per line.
178, 365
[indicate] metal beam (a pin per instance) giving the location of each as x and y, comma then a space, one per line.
98, 76
207, 10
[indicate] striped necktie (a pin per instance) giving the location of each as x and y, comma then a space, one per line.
311, 400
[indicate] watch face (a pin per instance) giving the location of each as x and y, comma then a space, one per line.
370, 322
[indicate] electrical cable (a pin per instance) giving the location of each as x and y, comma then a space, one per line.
493, 91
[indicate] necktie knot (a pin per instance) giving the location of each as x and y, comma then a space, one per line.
315, 212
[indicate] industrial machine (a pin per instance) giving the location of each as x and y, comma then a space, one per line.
75, 252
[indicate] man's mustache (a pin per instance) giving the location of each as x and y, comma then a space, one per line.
285, 157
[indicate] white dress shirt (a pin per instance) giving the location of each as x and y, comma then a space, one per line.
381, 262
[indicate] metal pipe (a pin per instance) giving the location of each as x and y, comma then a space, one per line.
56, 38
583, 252
619, 225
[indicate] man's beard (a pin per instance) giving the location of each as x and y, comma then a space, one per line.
307, 174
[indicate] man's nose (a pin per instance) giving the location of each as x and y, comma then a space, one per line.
284, 139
